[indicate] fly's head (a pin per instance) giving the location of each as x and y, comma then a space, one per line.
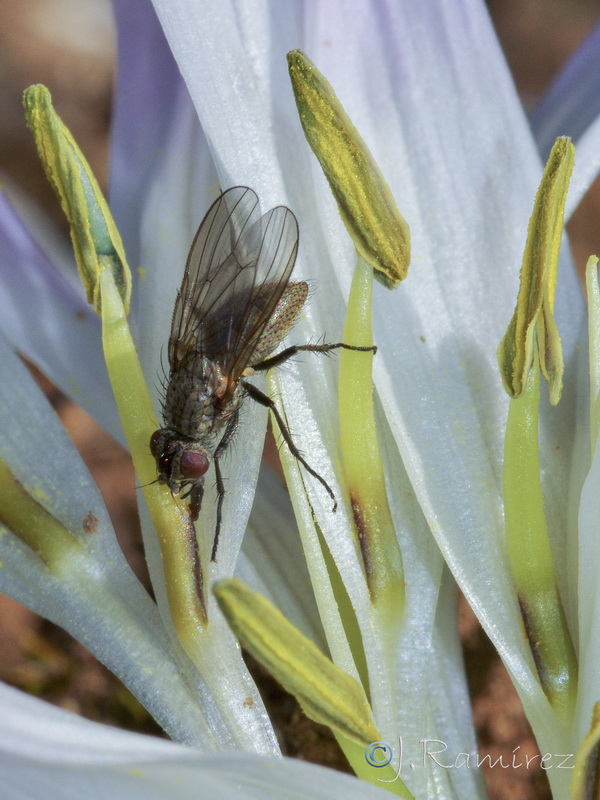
180, 462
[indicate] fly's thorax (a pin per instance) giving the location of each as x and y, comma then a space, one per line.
200, 399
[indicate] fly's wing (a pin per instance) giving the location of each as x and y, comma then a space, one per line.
232, 214
269, 253
231, 289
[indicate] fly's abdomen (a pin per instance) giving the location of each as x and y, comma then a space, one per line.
282, 320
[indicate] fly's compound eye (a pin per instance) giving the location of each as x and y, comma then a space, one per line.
193, 465
154, 443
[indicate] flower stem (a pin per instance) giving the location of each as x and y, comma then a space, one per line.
586, 774
529, 551
593, 294
360, 451
174, 530
25, 515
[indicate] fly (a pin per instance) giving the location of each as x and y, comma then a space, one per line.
235, 306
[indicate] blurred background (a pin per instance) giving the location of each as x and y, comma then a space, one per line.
69, 45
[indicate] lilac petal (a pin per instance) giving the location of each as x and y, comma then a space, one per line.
47, 320
147, 94
162, 179
571, 107
572, 103
587, 166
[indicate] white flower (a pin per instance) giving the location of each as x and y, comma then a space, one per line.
428, 89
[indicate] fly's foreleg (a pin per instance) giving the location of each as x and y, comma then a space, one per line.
196, 493
193, 548
221, 447
265, 400
290, 352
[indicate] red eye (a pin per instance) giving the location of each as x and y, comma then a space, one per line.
193, 465
154, 443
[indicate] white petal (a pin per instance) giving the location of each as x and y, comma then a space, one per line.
95, 596
589, 599
587, 166
272, 561
586, 548
467, 191
47, 752
428, 88
451, 722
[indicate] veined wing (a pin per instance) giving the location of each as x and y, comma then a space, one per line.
233, 211
237, 270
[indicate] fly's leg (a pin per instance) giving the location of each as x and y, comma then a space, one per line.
221, 447
193, 548
265, 400
196, 493
220, 498
290, 352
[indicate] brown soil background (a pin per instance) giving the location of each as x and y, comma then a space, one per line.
68, 45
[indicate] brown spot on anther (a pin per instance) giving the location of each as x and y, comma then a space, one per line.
248, 702
90, 522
